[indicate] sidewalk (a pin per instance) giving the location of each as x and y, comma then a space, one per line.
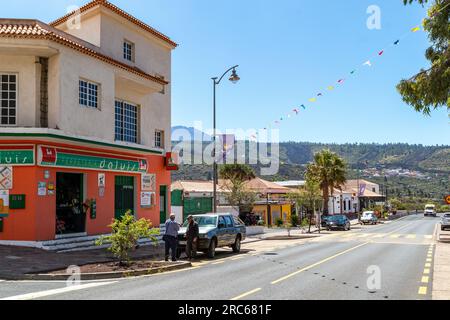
16, 261
441, 274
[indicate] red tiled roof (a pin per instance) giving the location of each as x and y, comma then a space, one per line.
34, 29
121, 13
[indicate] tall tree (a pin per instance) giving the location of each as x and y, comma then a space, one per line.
330, 171
308, 197
430, 88
235, 176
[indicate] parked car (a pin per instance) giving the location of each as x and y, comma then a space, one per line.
216, 231
323, 221
445, 222
338, 222
369, 217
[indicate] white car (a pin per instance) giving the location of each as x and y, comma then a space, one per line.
445, 222
430, 210
369, 217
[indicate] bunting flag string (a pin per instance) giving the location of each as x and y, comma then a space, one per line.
369, 63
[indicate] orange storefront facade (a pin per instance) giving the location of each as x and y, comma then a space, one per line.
54, 185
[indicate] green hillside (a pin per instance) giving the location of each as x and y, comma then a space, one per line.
411, 170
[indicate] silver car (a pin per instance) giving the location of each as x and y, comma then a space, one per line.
445, 222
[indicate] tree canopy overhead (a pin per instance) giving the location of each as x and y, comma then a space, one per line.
430, 88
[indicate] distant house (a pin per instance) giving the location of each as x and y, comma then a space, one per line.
196, 197
355, 196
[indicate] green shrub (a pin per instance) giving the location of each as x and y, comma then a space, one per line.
295, 220
305, 222
125, 235
279, 222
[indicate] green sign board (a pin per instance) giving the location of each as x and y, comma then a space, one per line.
17, 201
16, 157
70, 160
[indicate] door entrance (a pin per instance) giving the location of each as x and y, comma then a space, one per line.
124, 195
70, 216
162, 204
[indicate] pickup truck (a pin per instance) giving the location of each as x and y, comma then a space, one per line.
216, 231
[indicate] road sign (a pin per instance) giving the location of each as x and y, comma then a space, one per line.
447, 199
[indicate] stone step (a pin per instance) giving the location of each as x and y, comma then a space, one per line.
84, 243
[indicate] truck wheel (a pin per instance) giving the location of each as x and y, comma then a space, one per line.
212, 249
237, 245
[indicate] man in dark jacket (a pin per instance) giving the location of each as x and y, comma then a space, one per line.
192, 234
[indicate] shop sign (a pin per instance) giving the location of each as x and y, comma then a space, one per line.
148, 182
6, 178
101, 180
71, 159
147, 199
42, 189
22, 156
172, 161
447, 199
4, 202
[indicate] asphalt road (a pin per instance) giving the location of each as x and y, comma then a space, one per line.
396, 258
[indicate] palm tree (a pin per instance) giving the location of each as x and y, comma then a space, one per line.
330, 171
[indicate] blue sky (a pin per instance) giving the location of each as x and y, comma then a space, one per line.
288, 51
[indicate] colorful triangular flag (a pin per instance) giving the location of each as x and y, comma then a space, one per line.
415, 29
330, 88
381, 53
367, 63
397, 42
313, 100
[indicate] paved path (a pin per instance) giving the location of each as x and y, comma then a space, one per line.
334, 266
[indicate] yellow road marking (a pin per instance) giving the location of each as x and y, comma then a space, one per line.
218, 262
380, 235
426, 271
411, 236
427, 265
428, 237
395, 236
318, 263
429, 260
246, 294
425, 279
423, 290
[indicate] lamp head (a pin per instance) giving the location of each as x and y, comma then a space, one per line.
234, 78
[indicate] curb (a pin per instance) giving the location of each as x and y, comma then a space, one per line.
101, 275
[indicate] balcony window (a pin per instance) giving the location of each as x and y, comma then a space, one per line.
159, 139
128, 50
8, 99
88, 94
126, 122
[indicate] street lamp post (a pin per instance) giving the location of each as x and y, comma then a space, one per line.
234, 78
